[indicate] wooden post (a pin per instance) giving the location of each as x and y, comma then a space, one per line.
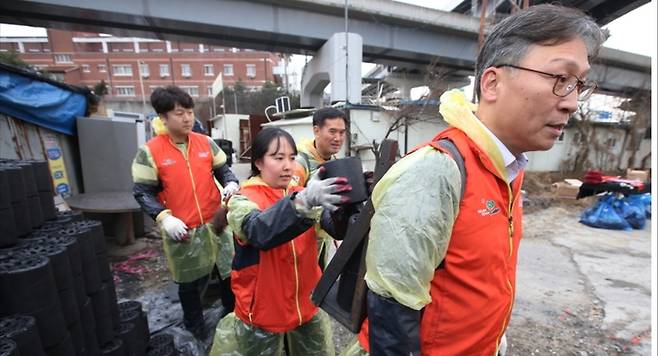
483, 20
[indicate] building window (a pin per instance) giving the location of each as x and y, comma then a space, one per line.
228, 69
185, 70
164, 70
122, 70
85, 68
125, 90
209, 91
144, 70
208, 70
102, 68
193, 90
235, 50
63, 58
251, 70
218, 49
57, 76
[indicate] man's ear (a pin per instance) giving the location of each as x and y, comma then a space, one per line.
490, 83
316, 130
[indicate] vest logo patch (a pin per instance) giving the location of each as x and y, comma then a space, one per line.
295, 178
168, 162
490, 208
204, 154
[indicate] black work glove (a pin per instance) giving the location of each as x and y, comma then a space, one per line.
336, 222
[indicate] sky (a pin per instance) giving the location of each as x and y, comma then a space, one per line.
634, 32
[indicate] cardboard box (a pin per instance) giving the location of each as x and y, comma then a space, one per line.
564, 190
640, 175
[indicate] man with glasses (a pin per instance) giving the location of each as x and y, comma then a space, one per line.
443, 243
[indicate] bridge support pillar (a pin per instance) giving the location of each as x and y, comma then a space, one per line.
329, 67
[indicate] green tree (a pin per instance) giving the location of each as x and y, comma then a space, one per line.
253, 102
13, 58
101, 88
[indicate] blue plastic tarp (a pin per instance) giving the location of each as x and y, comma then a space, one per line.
40, 102
631, 211
618, 213
603, 215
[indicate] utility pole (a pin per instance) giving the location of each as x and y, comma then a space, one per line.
214, 109
483, 20
235, 99
285, 71
141, 85
224, 114
347, 86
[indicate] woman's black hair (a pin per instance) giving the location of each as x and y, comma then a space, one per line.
262, 141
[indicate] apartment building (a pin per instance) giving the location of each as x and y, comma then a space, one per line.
133, 67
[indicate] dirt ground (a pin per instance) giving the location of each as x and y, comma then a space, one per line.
580, 291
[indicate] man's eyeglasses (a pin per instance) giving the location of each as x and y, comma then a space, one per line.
564, 84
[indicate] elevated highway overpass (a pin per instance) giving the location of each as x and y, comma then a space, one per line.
393, 33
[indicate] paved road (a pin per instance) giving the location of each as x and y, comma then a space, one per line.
581, 290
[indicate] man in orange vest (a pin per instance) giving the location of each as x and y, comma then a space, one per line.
442, 252
329, 128
176, 177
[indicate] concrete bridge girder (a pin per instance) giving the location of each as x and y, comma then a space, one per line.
619, 81
393, 33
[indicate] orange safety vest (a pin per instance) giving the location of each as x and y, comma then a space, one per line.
273, 288
188, 186
473, 291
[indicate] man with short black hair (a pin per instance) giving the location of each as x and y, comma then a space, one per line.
175, 185
329, 128
444, 239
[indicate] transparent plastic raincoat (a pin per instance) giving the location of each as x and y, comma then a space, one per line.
235, 338
274, 272
190, 193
